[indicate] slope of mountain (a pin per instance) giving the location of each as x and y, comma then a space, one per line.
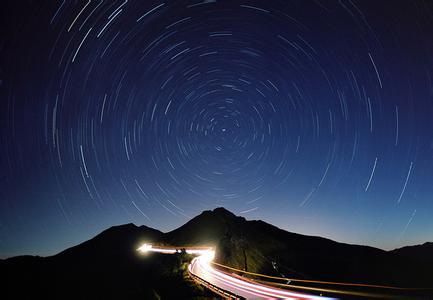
422, 252
107, 266
263, 248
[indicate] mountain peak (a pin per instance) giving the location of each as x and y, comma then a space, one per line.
220, 213
223, 211
122, 226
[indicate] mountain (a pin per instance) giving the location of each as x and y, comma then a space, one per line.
421, 253
107, 266
263, 248
104, 267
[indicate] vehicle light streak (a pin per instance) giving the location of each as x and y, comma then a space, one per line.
201, 266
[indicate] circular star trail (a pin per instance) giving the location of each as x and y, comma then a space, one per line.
314, 116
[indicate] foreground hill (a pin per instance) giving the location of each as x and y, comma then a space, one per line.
105, 267
108, 266
260, 247
421, 253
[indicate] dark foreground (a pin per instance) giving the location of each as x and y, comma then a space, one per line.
108, 266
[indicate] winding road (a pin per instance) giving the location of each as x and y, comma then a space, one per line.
202, 268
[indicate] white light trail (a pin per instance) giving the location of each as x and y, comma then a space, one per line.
405, 183
371, 175
201, 267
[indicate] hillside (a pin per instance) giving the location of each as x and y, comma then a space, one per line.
104, 267
422, 253
260, 247
108, 264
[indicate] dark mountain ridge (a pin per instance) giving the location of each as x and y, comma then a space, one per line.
255, 246
422, 252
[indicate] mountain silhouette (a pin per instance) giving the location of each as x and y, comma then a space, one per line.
263, 248
422, 253
108, 265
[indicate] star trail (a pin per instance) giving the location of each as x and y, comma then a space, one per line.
315, 116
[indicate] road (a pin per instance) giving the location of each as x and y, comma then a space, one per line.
201, 267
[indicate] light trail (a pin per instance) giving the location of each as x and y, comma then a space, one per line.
201, 267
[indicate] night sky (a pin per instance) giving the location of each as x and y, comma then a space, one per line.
315, 116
